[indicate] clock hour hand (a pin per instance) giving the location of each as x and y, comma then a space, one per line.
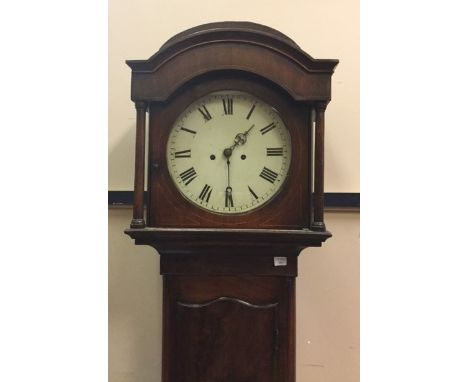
241, 138
248, 131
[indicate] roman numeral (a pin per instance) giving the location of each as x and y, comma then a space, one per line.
268, 175
206, 114
251, 111
227, 105
205, 193
274, 152
183, 154
253, 193
188, 130
268, 128
188, 175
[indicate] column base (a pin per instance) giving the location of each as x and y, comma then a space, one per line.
318, 226
138, 223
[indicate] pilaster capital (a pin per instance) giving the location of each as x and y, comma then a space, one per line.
141, 105
320, 106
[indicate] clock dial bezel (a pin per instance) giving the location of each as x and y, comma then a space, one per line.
290, 209
262, 107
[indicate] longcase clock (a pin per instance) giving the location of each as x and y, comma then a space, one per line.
235, 192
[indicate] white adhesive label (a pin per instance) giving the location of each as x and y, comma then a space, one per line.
280, 261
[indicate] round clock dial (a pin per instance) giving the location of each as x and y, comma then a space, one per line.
229, 152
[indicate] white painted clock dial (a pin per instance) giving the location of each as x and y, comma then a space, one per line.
229, 152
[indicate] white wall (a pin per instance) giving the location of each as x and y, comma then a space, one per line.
324, 29
327, 297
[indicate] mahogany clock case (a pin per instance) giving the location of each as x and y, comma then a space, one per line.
287, 210
229, 308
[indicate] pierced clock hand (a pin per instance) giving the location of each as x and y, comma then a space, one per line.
228, 202
248, 131
228, 167
227, 154
241, 138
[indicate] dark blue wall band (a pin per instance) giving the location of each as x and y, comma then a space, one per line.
332, 199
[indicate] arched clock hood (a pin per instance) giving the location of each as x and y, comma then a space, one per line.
231, 46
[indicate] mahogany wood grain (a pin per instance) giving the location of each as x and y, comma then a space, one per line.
228, 328
251, 242
227, 264
247, 47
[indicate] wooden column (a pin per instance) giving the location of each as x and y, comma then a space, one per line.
138, 220
319, 159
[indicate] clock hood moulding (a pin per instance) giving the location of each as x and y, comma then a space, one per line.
235, 46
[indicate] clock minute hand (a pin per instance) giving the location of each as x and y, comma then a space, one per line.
228, 168
227, 154
228, 202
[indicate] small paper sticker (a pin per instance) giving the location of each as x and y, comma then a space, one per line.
280, 261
